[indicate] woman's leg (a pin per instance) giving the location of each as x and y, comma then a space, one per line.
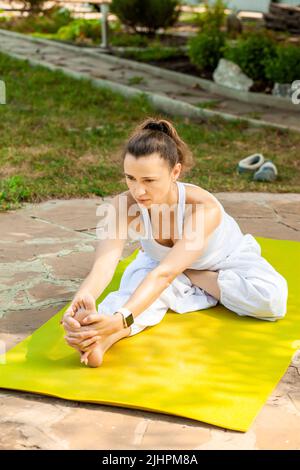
96, 356
261, 292
93, 356
206, 280
132, 277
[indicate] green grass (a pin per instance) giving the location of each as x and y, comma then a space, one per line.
189, 18
253, 115
153, 53
209, 104
136, 80
60, 137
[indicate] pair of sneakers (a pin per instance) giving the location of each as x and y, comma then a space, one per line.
263, 170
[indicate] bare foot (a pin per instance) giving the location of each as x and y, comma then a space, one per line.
93, 356
86, 306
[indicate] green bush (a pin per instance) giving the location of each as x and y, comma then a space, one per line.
213, 17
148, 14
52, 20
48, 22
80, 29
251, 52
206, 49
128, 40
285, 66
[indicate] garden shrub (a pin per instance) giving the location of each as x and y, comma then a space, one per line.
213, 17
206, 49
52, 20
127, 40
251, 52
80, 29
148, 14
49, 21
285, 66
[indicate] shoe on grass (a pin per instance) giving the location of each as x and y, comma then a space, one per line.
267, 172
251, 163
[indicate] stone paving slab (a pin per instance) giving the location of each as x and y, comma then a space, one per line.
46, 251
98, 66
77, 214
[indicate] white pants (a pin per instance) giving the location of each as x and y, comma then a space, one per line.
248, 285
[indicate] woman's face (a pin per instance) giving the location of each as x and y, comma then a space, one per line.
149, 178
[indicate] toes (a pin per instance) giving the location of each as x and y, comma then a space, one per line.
92, 358
89, 303
84, 358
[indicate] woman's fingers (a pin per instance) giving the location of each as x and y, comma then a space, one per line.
83, 335
94, 317
77, 348
70, 312
88, 342
72, 309
73, 345
82, 344
71, 340
71, 323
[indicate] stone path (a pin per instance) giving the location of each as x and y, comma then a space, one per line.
98, 66
46, 250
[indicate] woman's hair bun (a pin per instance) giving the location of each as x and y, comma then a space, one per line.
166, 142
157, 126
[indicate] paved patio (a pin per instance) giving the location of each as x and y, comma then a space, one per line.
46, 250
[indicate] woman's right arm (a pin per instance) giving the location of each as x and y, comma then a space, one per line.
107, 256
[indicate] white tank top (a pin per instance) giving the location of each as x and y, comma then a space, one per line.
221, 243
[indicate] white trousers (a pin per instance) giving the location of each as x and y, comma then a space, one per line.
249, 285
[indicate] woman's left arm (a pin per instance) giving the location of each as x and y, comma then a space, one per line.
200, 222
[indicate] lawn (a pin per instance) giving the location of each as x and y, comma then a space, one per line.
60, 138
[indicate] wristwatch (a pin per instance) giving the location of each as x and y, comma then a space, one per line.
127, 316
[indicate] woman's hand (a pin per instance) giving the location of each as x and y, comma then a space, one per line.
77, 305
84, 340
105, 325
72, 325
88, 337
94, 325
67, 320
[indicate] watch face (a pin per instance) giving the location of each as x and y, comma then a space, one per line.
129, 320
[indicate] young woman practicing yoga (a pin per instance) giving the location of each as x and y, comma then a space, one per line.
201, 259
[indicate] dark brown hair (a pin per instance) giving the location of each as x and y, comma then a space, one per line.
159, 135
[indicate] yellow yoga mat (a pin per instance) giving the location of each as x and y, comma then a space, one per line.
210, 365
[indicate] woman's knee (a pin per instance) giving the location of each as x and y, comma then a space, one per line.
274, 306
254, 297
278, 302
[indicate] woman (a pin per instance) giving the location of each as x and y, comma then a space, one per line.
204, 258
